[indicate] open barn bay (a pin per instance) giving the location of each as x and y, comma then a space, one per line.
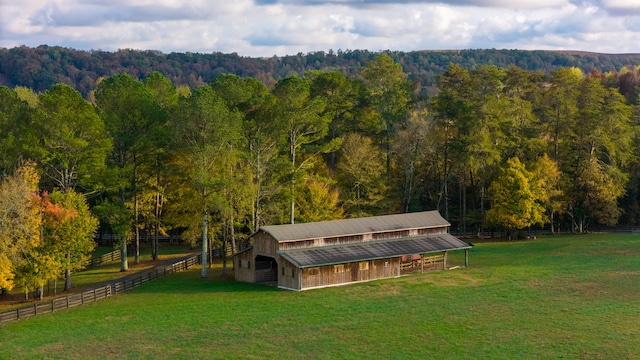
564, 296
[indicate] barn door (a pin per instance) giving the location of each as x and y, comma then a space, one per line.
355, 271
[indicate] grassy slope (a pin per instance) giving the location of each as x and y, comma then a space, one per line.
570, 297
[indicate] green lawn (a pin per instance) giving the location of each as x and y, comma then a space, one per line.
572, 297
89, 277
107, 272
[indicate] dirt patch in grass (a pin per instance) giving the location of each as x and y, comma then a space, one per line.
618, 285
614, 251
454, 278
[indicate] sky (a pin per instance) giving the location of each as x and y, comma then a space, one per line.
264, 28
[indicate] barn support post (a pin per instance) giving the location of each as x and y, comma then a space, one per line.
466, 257
422, 262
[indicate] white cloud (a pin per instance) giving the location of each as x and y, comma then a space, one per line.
283, 27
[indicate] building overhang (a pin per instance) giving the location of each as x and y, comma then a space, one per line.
372, 250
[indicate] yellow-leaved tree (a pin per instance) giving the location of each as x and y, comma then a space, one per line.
515, 199
20, 221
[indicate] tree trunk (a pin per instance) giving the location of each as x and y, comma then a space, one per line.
204, 245
293, 200
67, 274
464, 203
154, 244
156, 228
223, 254
232, 234
135, 227
481, 234
124, 264
135, 211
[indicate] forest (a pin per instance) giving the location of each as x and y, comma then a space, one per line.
44, 66
493, 149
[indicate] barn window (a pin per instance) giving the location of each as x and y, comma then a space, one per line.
338, 268
239, 263
283, 270
312, 272
363, 265
293, 272
386, 264
248, 264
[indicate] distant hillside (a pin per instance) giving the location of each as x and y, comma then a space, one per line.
39, 68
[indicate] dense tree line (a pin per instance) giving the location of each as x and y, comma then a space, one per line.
494, 149
42, 67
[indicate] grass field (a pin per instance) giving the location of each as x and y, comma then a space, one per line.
88, 278
574, 297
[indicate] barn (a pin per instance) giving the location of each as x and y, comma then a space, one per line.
331, 253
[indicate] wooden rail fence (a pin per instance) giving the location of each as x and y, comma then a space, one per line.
107, 258
99, 293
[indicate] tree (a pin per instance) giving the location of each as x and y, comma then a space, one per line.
16, 130
69, 231
318, 202
390, 92
601, 151
452, 107
547, 175
361, 173
591, 139
156, 171
560, 110
262, 134
414, 145
207, 132
340, 95
20, 222
467, 112
74, 143
131, 116
515, 199
305, 127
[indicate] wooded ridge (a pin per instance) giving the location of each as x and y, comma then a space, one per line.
40, 68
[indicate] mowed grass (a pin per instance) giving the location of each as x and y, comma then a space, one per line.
572, 297
88, 278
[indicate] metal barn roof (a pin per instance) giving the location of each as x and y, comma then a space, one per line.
347, 227
372, 250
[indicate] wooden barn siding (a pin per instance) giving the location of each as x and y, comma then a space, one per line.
242, 271
289, 278
264, 244
324, 276
303, 244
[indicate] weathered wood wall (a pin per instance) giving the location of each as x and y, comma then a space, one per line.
332, 275
288, 276
245, 266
